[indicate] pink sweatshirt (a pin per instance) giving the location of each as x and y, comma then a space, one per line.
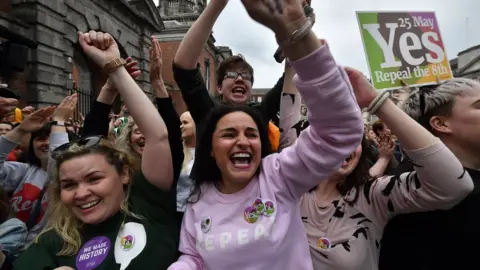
215, 232
343, 236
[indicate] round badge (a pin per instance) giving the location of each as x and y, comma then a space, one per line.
324, 243
127, 242
259, 205
206, 224
269, 208
250, 214
93, 253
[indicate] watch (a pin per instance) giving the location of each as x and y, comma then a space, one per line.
58, 123
114, 64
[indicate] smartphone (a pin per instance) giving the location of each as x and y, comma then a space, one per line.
279, 57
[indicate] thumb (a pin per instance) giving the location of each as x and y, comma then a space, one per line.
351, 72
82, 41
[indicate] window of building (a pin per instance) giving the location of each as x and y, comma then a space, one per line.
259, 99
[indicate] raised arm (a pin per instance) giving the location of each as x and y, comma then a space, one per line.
166, 109
185, 71
11, 173
7, 105
385, 155
156, 158
439, 180
98, 118
336, 125
191, 46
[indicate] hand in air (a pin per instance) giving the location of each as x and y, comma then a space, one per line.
65, 110
100, 47
282, 16
156, 63
28, 110
386, 147
36, 120
7, 106
363, 89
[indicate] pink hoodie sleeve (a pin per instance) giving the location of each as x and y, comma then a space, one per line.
190, 259
439, 182
336, 127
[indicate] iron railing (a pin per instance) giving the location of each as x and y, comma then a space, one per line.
85, 102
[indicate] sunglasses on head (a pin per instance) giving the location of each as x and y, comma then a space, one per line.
234, 74
85, 142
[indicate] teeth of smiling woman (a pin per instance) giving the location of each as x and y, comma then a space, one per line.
241, 159
241, 155
88, 205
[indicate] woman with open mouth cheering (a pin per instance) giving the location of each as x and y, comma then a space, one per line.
344, 216
244, 211
104, 212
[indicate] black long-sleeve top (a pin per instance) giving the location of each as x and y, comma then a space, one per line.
199, 103
97, 123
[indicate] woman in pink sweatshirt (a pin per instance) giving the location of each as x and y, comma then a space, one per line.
244, 212
344, 216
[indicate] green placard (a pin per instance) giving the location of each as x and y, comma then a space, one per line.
403, 46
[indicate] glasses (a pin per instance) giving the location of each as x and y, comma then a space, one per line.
234, 74
85, 142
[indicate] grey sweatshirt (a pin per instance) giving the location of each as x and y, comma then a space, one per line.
26, 182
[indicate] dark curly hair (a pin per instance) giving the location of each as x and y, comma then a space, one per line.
206, 170
359, 176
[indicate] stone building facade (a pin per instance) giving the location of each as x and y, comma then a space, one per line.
178, 16
258, 94
57, 64
467, 63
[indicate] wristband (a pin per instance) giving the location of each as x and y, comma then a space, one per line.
58, 123
298, 34
113, 65
376, 99
380, 102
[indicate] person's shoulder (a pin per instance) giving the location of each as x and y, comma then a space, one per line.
254, 105
49, 238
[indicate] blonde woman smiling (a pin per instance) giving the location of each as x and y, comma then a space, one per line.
100, 217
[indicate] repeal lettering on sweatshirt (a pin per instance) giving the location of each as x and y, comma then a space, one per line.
238, 238
26, 182
23, 201
246, 234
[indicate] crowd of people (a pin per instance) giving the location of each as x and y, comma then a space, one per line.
236, 185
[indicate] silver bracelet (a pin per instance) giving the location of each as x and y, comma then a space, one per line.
375, 100
298, 34
380, 103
